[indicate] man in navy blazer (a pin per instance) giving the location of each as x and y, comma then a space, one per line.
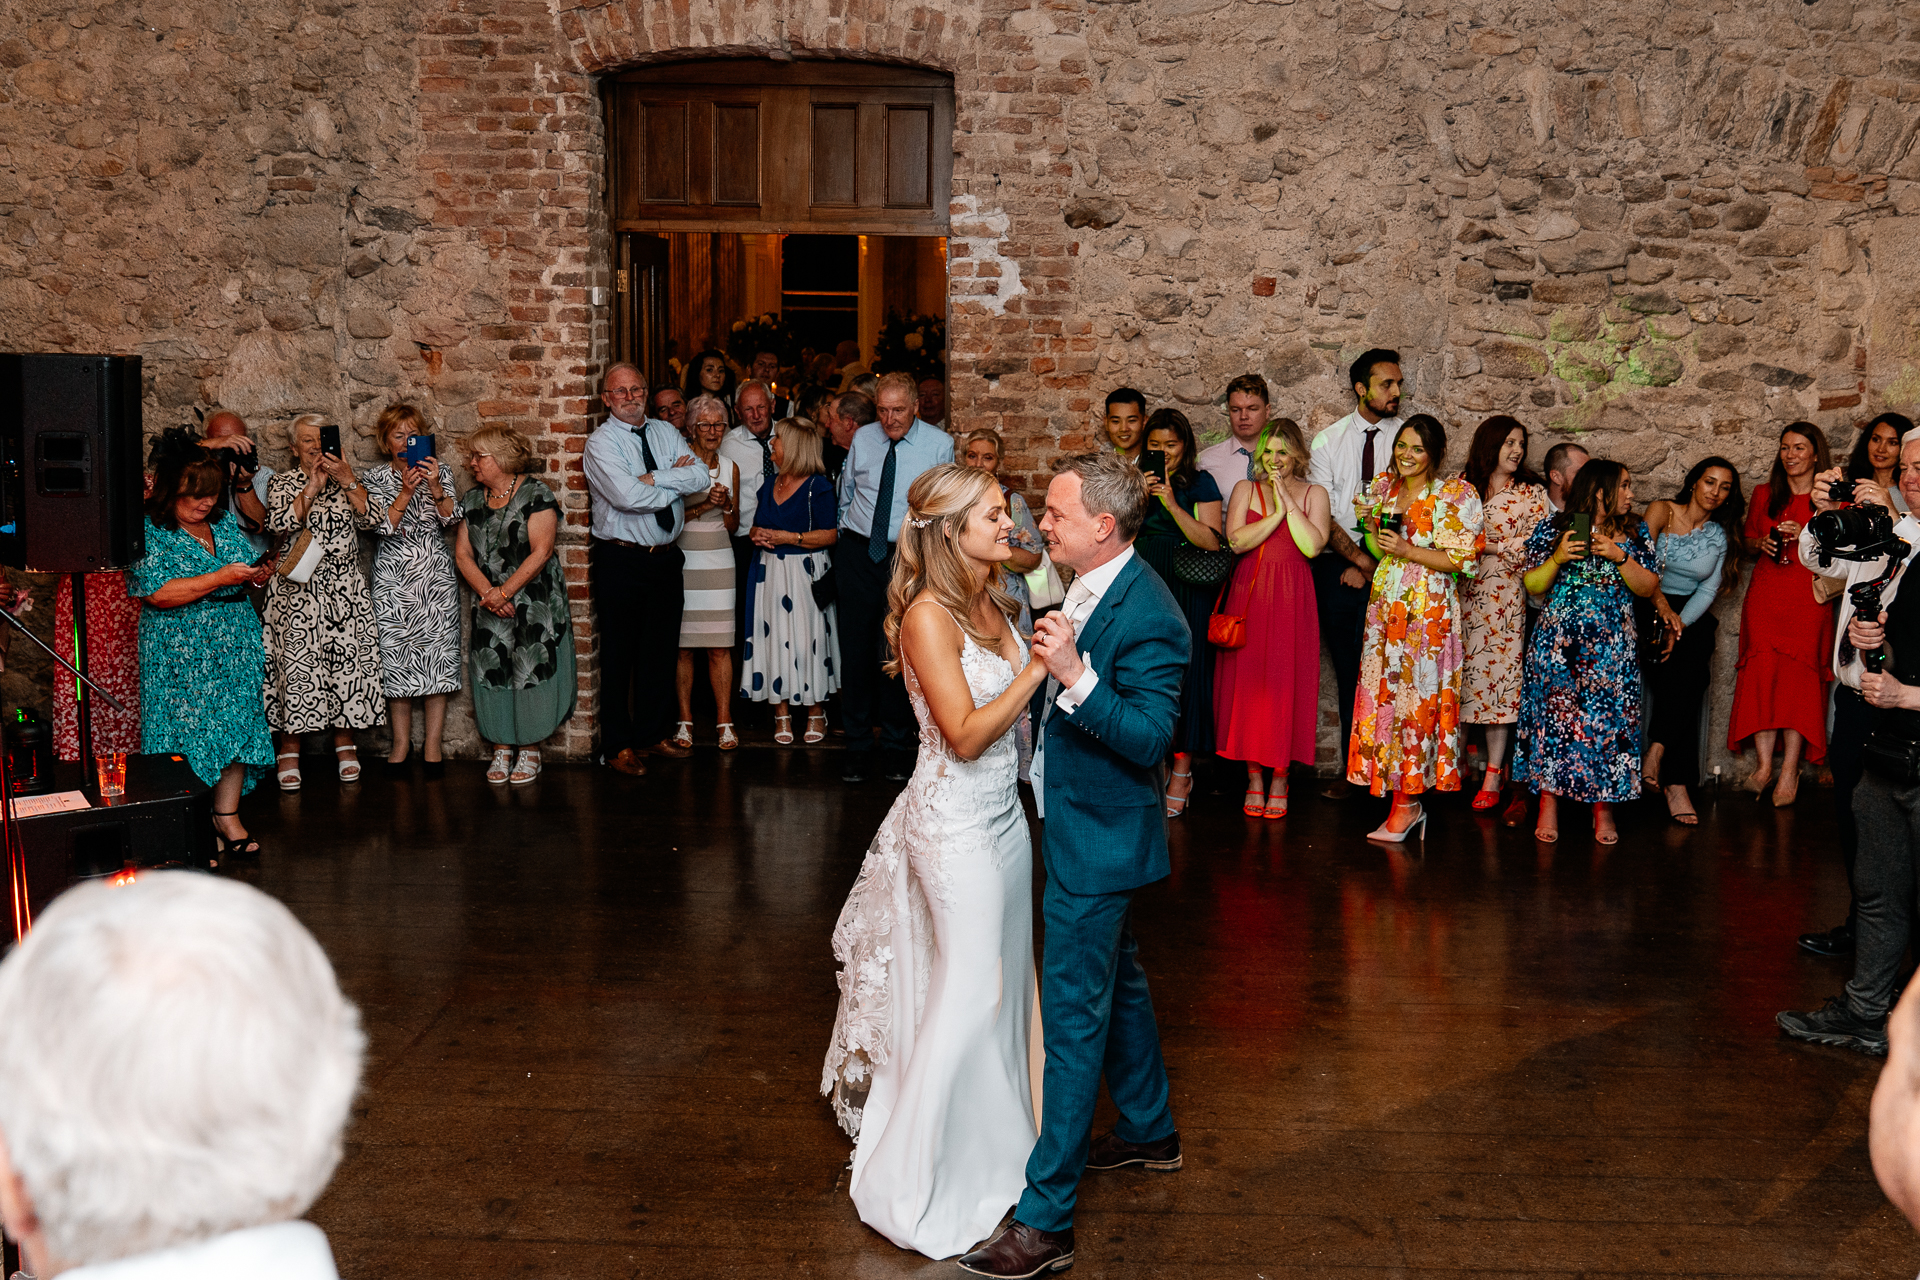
1117, 651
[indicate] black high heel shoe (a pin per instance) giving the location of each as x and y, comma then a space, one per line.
433, 770
245, 847
397, 768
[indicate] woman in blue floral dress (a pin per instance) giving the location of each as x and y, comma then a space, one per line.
1580, 704
202, 663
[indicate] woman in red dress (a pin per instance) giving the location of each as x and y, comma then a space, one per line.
113, 661
1266, 695
1786, 636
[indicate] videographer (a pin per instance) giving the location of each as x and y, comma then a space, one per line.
1853, 719
1885, 775
247, 476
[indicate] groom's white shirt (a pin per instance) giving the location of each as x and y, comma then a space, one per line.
1083, 597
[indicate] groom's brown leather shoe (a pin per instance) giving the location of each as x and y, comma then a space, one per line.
1109, 1152
1021, 1252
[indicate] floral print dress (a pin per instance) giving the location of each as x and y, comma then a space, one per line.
1496, 607
523, 672
1406, 712
1580, 711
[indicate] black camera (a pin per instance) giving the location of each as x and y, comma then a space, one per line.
243, 465
1860, 533
1840, 491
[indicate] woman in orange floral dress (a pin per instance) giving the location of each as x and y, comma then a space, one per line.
1494, 599
1406, 715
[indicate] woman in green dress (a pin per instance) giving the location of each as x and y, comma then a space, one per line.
521, 657
202, 663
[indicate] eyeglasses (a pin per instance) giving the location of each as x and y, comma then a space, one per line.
626, 393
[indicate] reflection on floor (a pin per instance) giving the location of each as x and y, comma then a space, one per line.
598, 1007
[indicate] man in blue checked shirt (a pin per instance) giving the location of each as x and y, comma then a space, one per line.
638, 470
886, 457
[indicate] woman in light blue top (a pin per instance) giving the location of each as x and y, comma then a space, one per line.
1695, 534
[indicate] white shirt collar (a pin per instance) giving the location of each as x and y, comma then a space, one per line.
1098, 580
286, 1251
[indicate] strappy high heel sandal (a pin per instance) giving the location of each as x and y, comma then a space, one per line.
349, 770
502, 764
1276, 806
1489, 797
289, 779
683, 734
816, 735
783, 730
1181, 801
728, 738
526, 768
1255, 804
242, 847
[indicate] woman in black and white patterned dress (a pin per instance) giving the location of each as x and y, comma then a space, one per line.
323, 655
416, 596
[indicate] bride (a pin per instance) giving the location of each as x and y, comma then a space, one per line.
928, 1068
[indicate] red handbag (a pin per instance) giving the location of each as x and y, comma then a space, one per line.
1229, 630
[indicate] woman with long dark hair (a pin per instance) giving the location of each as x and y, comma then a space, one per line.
1786, 636
1425, 532
1513, 500
1876, 455
1580, 711
709, 374
1185, 510
1696, 535
200, 649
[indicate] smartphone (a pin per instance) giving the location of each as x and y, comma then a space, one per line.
1583, 529
419, 449
330, 439
1154, 462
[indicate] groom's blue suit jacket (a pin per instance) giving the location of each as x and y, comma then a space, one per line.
1105, 831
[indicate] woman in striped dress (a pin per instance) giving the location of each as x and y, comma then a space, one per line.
706, 621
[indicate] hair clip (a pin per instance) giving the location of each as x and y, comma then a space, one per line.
921, 523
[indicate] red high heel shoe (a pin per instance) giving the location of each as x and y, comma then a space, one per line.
1489, 799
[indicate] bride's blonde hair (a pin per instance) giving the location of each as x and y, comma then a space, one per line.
928, 556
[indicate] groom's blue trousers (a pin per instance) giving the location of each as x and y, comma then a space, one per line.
1097, 1018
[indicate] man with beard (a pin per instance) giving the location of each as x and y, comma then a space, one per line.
1346, 457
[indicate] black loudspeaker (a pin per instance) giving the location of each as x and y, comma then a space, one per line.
70, 475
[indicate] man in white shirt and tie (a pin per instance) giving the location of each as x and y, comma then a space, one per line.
1346, 457
1231, 461
750, 447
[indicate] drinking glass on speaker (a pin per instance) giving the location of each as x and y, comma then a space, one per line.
112, 767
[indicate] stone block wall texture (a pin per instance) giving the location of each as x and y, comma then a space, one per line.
1663, 229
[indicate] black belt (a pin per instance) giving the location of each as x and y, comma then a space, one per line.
636, 546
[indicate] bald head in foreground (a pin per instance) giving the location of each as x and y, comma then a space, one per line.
176, 1067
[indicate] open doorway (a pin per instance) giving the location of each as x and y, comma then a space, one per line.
798, 206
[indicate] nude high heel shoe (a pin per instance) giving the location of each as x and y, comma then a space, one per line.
1419, 824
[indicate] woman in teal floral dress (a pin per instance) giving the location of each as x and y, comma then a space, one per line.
1580, 702
202, 663
521, 656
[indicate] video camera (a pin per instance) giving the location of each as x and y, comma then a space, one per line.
1859, 533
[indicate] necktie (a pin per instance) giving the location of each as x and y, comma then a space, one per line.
1249, 454
877, 539
665, 514
1366, 458
1074, 609
766, 456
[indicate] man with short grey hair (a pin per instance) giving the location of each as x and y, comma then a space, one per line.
750, 447
175, 1075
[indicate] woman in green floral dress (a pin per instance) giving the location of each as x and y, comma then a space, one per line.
521, 655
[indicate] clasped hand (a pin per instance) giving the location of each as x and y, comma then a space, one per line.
1055, 645
762, 536
497, 603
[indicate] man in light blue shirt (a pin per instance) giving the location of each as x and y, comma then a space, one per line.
638, 470
886, 457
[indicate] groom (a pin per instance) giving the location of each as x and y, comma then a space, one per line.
1116, 652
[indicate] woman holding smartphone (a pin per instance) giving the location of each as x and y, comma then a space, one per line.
1580, 705
1185, 510
416, 594
1427, 533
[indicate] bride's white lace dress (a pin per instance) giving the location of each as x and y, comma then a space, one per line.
928, 1068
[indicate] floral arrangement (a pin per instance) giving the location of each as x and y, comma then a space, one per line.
765, 332
914, 344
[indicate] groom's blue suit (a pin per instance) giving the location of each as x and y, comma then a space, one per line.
1104, 837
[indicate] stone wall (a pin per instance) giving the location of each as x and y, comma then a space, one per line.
1666, 229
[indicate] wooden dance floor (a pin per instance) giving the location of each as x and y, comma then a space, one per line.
598, 1007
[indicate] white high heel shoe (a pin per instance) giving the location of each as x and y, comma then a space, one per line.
1400, 837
